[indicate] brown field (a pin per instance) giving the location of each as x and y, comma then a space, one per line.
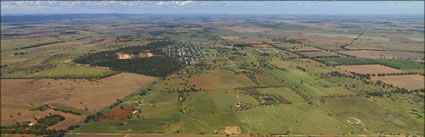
403, 81
369, 69
251, 42
262, 46
117, 114
81, 94
317, 53
230, 38
302, 39
245, 29
220, 80
27, 115
384, 54
330, 42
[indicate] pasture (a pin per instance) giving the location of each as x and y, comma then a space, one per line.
375, 118
369, 69
222, 79
384, 54
407, 65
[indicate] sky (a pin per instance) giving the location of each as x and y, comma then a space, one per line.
215, 7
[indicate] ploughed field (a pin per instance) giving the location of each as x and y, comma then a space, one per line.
409, 82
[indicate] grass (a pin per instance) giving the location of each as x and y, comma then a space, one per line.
220, 79
159, 105
284, 92
267, 79
276, 119
327, 123
374, 117
204, 116
69, 108
402, 64
132, 126
69, 72
327, 46
225, 100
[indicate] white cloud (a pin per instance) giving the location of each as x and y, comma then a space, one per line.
160, 3
185, 3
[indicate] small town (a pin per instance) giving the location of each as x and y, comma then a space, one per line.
188, 54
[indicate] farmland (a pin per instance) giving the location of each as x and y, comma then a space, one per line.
404, 81
317, 53
143, 75
384, 54
80, 96
401, 64
369, 69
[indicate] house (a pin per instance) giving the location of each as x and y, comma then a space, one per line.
240, 104
32, 123
135, 111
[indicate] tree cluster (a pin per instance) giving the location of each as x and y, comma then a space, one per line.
158, 65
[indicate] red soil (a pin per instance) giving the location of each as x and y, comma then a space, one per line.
117, 114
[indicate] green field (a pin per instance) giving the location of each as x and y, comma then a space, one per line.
69, 72
402, 64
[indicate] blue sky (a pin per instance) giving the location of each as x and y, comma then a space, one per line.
214, 7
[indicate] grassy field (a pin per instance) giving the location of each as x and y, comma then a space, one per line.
222, 79
328, 124
375, 118
285, 92
402, 64
69, 108
66, 72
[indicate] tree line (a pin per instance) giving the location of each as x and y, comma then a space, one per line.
38, 129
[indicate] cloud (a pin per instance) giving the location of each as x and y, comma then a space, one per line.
185, 3
117, 6
160, 3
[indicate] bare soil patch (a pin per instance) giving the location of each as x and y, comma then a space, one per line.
231, 130
409, 82
354, 120
81, 94
317, 53
117, 114
369, 69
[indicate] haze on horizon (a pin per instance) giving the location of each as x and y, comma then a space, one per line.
214, 7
